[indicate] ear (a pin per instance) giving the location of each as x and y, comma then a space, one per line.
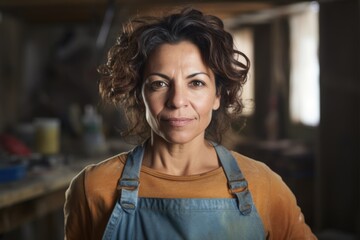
216, 104
217, 100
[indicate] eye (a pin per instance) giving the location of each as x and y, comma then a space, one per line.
156, 85
197, 83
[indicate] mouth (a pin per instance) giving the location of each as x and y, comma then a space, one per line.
178, 122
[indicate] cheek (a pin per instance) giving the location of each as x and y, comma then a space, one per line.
152, 105
204, 108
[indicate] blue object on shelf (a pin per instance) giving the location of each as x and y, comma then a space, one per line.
12, 172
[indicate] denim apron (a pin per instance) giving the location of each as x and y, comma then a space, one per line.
183, 218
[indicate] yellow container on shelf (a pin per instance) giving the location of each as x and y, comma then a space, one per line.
47, 136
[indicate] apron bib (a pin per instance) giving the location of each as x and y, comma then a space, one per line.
183, 218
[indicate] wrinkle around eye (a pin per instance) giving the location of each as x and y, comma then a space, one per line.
155, 85
197, 83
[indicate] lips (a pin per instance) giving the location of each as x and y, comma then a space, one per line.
178, 122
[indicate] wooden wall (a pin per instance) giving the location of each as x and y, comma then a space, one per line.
10, 70
338, 189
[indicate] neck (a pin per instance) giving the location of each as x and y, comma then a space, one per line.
195, 157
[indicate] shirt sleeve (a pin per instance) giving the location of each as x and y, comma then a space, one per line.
286, 218
76, 210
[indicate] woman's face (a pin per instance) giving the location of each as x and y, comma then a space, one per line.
179, 92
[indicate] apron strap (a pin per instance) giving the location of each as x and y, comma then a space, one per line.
129, 181
236, 181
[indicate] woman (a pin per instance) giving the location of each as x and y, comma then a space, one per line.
178, 77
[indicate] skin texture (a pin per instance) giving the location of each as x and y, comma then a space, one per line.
179, 93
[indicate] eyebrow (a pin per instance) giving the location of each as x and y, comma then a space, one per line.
194, 74
168, 78
158, 74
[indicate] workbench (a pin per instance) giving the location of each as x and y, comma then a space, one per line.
36, 195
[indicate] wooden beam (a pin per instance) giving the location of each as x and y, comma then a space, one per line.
88, 10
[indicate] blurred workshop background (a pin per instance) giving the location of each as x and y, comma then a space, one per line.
301, 113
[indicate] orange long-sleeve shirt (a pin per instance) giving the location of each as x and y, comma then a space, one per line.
92, 194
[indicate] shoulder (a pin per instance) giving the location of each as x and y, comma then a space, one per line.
253, 169
263, 182
97, 180
105, 174
96, 174
274, 201
106, 167
90, 198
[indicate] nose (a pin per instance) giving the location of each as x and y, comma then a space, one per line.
177, 97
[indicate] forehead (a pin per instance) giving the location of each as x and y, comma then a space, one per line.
183, 54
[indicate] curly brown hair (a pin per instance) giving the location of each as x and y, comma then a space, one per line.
122, 76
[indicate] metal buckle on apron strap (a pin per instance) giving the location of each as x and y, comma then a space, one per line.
240, 189
237, 186
129, 191
128, 184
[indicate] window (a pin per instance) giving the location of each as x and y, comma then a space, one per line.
304, 72
243, 40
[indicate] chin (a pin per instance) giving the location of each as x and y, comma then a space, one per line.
180, 138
